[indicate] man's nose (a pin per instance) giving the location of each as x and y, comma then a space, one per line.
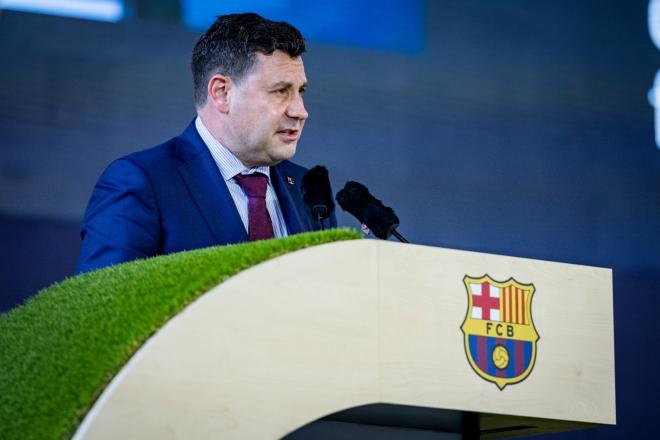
296, 108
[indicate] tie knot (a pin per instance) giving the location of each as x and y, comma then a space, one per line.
253, 185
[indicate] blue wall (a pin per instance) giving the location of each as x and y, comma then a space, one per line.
513, 127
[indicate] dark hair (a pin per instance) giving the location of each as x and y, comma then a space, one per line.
229, 46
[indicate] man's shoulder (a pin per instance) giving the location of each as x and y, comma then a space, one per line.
154, 155
177, 149
139, 169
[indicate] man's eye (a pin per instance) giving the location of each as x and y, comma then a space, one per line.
283, 91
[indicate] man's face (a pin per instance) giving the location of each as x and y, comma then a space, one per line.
266, 110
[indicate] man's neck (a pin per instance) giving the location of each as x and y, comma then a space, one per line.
218, 131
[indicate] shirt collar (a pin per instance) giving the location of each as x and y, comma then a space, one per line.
227, 163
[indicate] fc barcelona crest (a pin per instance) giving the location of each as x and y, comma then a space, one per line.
500, 337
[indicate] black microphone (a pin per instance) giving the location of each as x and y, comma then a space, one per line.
317, 194
380, 219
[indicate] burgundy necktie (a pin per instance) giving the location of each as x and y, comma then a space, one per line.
254, 186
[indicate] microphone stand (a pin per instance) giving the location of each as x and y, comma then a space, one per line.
320, 219
321, 213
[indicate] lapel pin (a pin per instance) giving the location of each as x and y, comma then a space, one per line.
290, 180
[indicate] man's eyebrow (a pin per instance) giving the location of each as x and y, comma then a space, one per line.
286, 85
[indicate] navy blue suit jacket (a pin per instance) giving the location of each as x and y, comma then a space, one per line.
172, 198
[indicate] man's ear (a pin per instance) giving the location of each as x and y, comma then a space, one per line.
219, 88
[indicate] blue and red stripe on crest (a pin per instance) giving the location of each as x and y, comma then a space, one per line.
520, 355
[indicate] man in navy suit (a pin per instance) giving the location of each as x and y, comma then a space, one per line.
190, 192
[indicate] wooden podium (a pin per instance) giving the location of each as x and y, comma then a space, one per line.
372, 338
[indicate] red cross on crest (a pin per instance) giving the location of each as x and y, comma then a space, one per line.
486, 301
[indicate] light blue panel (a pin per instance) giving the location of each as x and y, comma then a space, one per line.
199, 14
394, 25
99, 10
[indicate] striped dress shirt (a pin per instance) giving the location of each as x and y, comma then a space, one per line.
230, 166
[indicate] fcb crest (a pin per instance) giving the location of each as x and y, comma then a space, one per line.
500, 337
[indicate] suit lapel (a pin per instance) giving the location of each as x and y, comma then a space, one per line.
290, 201
208, 189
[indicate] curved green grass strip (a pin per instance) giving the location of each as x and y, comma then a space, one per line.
60, 350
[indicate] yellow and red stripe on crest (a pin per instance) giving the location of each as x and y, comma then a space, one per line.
512, 305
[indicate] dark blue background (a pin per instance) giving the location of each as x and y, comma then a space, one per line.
510, 127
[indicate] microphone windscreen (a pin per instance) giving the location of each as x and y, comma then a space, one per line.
354, 198
317, 193
381, 219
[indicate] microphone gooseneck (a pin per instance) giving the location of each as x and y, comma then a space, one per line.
317, 193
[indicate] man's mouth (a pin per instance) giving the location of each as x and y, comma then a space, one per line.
289, 133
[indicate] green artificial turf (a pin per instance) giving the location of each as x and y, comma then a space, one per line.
61, 349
